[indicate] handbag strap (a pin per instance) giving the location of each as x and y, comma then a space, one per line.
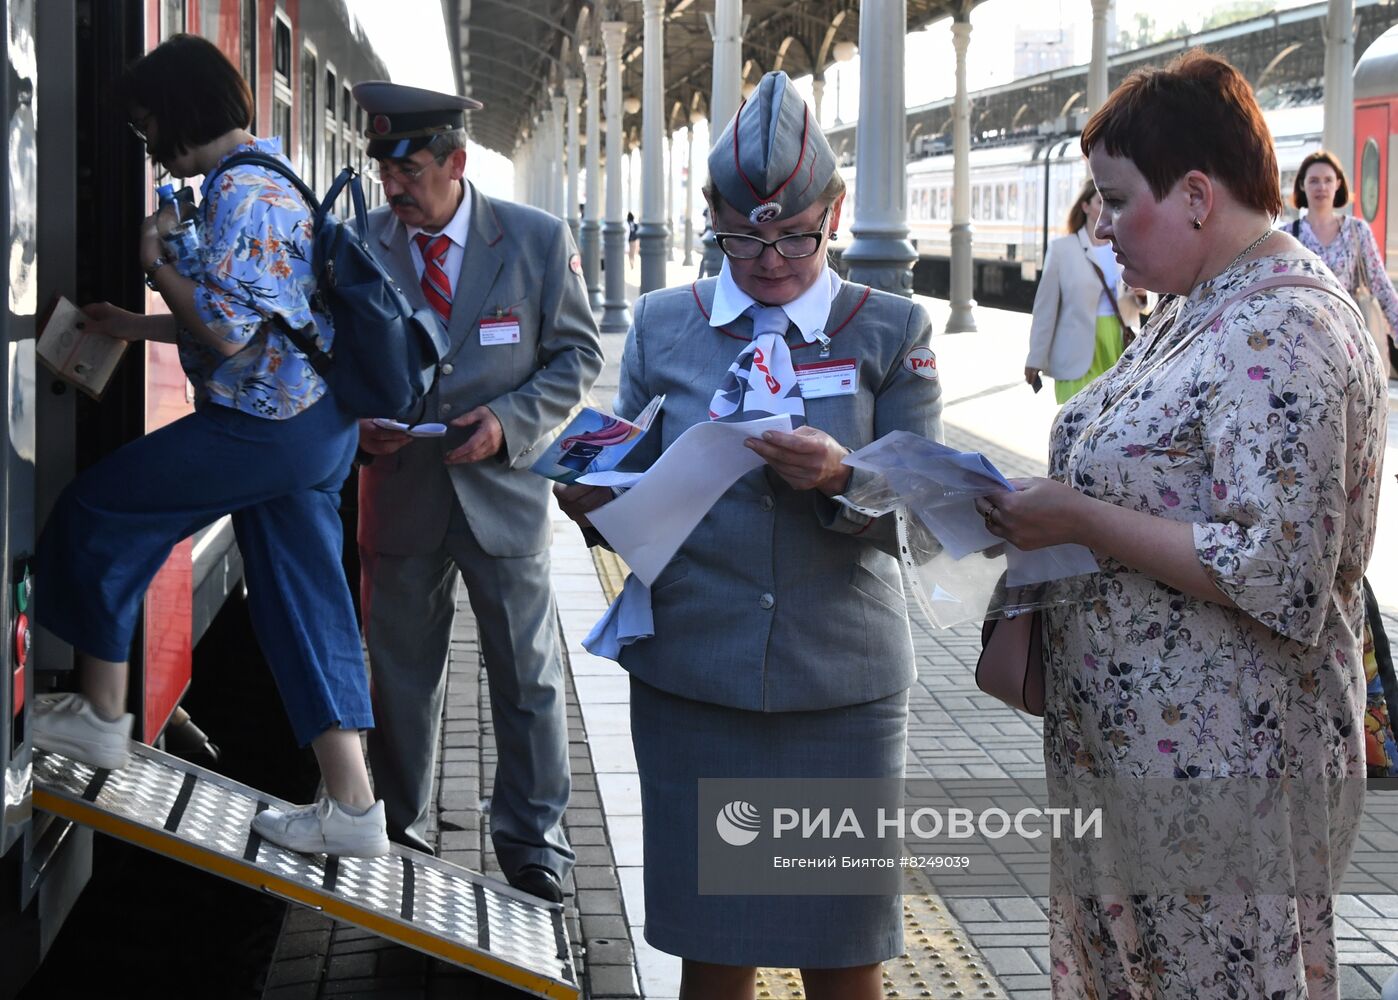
1102, 280
1265, 284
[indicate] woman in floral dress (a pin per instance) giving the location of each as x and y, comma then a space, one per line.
1208, 691
1344, 242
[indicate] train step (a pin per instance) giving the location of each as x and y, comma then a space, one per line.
184, 812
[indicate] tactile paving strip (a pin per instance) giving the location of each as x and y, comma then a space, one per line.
940, 963
181, 811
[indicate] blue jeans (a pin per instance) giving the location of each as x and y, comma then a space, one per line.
115, 524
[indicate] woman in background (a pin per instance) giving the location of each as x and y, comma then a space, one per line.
1076, 333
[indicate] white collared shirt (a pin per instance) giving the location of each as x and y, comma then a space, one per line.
810, 310
456, 230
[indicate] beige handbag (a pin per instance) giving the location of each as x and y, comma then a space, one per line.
1011, 664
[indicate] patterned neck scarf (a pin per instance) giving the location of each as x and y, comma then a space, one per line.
762, 381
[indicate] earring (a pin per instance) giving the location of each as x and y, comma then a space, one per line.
1197, 224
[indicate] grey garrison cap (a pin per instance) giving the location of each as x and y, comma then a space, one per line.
772, 160
402, 119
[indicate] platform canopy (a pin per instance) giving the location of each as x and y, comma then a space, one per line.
512, 54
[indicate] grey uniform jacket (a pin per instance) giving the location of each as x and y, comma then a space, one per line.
517, 261
781, 600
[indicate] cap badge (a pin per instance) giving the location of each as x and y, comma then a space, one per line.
766, 212
382, 125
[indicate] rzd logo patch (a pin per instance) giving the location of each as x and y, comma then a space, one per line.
922, 363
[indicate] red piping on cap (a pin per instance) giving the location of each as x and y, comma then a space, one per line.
737, 163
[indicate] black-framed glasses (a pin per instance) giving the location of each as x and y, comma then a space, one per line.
403, 171
793, 246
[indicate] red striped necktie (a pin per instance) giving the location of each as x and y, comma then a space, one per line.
435, 283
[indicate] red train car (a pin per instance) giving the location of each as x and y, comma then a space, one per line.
1376, 148
78, 187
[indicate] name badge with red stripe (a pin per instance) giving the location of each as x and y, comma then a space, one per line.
835, 377
499, 330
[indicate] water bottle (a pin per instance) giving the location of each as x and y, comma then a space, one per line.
182, 241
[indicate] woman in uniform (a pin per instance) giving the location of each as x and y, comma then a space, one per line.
780, 646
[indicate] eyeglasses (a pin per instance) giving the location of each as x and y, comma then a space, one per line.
138, 128
403, 171
793, 246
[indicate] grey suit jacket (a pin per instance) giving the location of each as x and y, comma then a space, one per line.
780, 600
517, 261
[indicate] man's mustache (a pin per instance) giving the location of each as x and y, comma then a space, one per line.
403, 201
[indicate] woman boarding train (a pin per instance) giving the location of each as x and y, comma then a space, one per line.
267, 443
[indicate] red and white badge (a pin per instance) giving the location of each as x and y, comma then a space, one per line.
499, 330
575, 265
922, 363
835, 377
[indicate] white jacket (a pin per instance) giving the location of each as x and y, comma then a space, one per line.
1063, 334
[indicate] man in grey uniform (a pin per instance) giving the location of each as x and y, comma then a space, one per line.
506, 282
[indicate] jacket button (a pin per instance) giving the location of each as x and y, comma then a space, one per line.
766, 503
445, 408
766, 602
447, 369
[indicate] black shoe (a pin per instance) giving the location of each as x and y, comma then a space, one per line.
538, 881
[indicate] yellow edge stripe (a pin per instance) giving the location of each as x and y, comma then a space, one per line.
241, 872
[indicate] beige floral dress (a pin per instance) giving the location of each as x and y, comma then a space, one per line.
1224, 745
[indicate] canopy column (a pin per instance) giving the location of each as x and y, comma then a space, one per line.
726, 27
616, 312
592, 205
1097, 85
653, 231
572, 91
962, 267
881, 255
1338, 134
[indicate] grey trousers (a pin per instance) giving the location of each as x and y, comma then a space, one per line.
408, 606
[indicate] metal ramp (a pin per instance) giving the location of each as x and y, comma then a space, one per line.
184, 812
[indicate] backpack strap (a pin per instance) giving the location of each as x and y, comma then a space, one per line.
1295, 228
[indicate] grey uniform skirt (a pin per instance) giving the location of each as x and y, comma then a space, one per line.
679, 741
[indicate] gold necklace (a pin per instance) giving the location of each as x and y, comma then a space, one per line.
1249, 248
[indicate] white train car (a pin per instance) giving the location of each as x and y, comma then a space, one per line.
1020, 195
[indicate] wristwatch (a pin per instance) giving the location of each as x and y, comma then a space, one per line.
160, 261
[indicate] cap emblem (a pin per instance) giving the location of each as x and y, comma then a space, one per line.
382, 125
766, 212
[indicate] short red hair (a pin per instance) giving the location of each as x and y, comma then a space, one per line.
1198, 113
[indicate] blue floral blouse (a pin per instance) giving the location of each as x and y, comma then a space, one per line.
255, 236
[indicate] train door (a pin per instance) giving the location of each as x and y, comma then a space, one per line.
1371, 158
19, 218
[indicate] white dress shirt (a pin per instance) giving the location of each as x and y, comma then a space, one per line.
810, 310
456, 230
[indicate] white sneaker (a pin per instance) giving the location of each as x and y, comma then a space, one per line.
323, 827
66, 724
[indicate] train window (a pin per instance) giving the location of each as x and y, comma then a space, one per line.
310, 75
1369, 179
171, 17
247, 54
331, 90
1012, 201
346, 102
977, 202
999, 201
281, 123
281, 53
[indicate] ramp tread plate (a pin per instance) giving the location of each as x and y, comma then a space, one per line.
411, 898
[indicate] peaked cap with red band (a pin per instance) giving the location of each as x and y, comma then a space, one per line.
402, 120
772, 160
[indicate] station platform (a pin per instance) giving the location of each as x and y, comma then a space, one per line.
957, 948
